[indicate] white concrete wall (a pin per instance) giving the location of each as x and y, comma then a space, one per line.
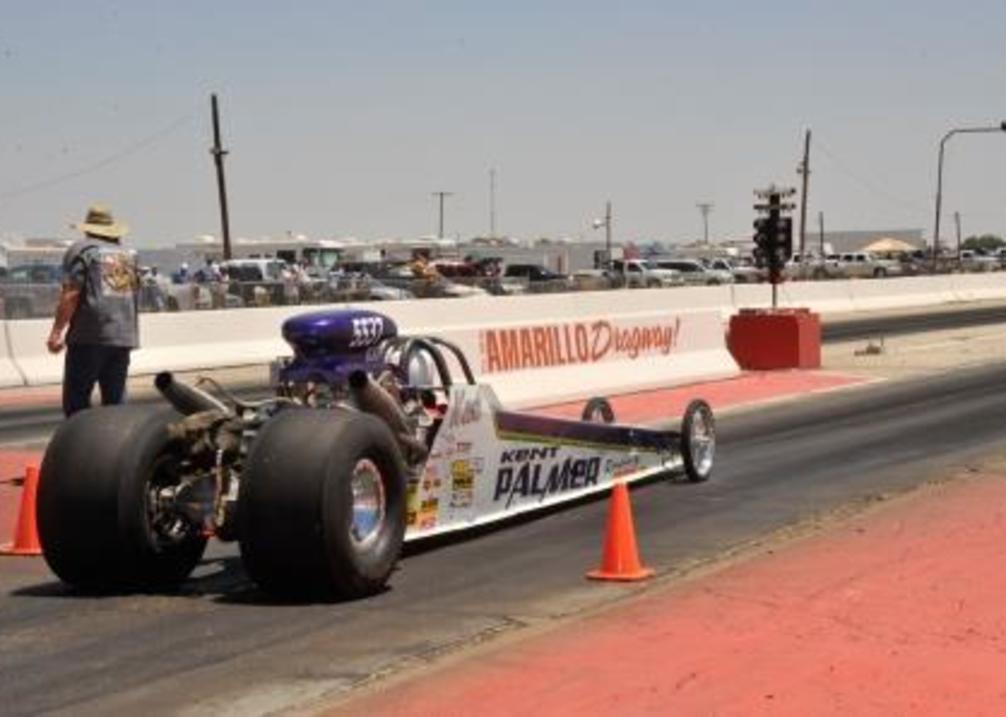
9, 374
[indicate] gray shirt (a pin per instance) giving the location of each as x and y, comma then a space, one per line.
107, 278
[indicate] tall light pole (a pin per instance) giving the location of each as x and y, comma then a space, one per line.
492, 203
705, 208
820, 230
607, 230
939, 176
440, 225
957, 221
606, 223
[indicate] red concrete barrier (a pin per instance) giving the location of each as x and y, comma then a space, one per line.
767, 339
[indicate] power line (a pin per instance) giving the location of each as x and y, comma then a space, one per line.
122, 154
866, 183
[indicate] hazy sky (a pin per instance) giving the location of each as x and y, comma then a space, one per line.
341, 118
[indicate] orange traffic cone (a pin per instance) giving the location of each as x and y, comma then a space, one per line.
621, 557
25, 532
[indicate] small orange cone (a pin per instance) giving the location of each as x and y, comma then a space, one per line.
621, 557
25, 532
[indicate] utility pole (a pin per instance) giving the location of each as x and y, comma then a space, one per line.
804, 171
492, 203
820, 230
705, 208
219, 153
957, 221
441, 195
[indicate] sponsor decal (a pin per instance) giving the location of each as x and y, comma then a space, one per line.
469, 411
431, 477
621, 466
428, 509
514, 349
463, 473
411, 502
541, 472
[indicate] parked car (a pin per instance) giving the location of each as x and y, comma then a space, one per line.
644, 274
532, 272
694, 272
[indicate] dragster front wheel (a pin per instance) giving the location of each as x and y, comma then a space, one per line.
598, 410
698, 441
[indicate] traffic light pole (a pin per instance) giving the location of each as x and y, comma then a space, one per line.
774, 235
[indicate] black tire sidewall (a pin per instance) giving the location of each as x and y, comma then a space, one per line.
357, 570
294, 524
92, 517
595, 404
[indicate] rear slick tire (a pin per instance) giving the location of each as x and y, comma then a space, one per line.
94, 502
322, 505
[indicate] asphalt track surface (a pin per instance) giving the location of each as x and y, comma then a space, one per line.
221, 646
33, 424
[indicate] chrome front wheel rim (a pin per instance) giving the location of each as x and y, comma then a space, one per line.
702, 439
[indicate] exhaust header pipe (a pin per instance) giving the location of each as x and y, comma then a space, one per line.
371, 398
187, 399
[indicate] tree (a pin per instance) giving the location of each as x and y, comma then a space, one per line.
985, 243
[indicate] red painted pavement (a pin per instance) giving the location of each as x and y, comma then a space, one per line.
753, 387
900, 611
22, 397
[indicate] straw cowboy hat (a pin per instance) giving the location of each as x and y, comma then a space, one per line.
100, 222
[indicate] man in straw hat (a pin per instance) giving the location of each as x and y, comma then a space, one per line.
99, 305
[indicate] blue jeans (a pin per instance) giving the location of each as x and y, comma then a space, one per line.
87, 364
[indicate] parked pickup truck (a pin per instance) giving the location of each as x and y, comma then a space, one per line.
642, 274
972, 260
863, 264
695, 273
802, 267
742, 273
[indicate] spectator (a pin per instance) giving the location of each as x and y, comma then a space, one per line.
152, 296
98, 303
213, 269
182, 275
422, 269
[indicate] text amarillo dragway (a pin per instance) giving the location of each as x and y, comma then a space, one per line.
512, 349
